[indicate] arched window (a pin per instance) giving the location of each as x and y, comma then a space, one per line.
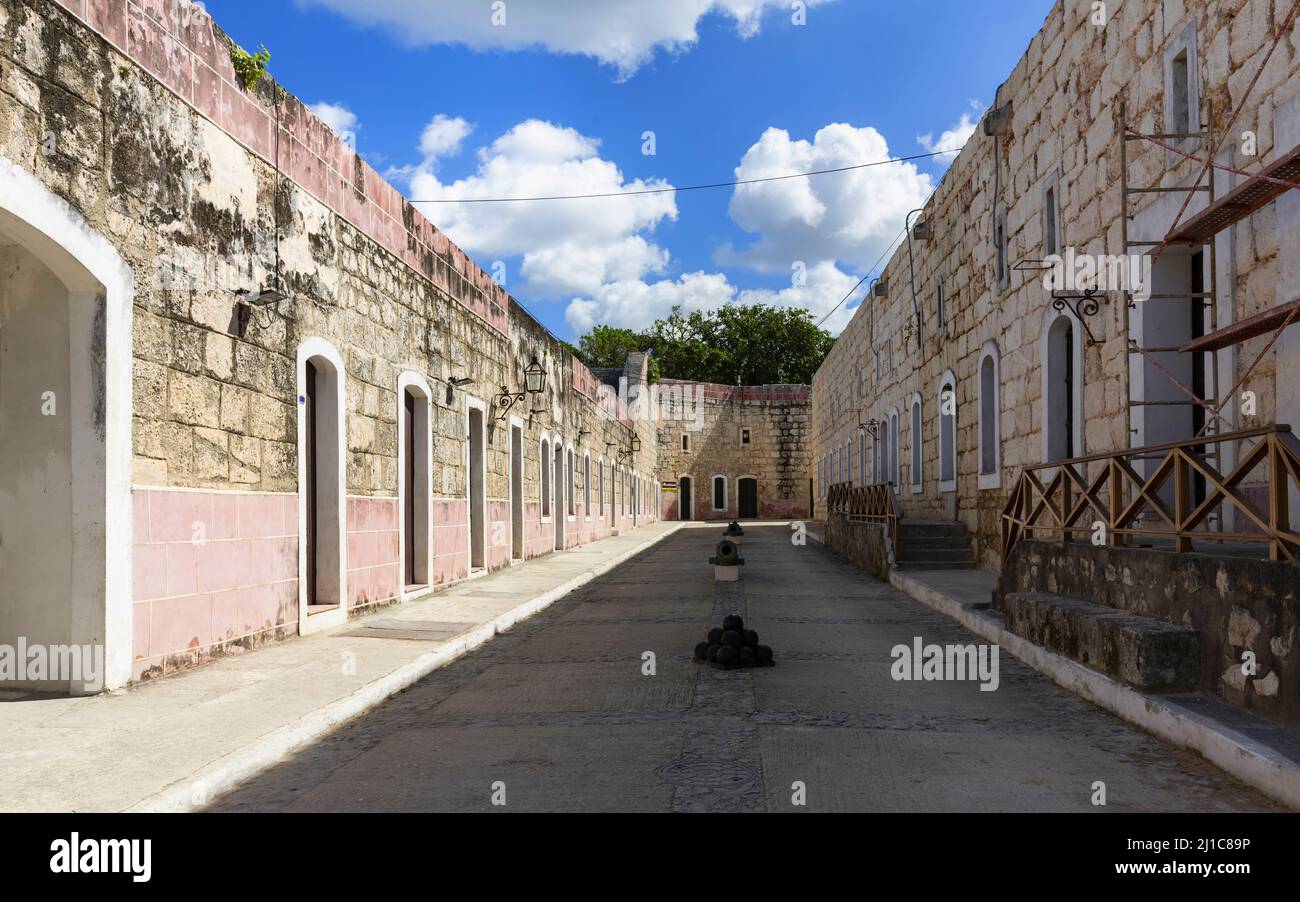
893, 447
876, 468
883, 450
990, 434
948, 432
862, 457
916, 469
1062, 354
545, 478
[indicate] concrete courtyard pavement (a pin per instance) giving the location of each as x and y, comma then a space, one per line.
557, 714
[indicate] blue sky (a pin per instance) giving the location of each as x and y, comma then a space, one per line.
556, 99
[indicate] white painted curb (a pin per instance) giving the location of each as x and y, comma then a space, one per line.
196, 791
1252, 762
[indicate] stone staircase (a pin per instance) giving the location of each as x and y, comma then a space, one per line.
1146, 654
933, 545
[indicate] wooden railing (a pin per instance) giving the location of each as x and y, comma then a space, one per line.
866, 502
1174, 502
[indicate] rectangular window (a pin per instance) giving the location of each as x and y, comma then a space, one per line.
1049, 221
744, 436
1180, 88
938, 302
686, 443
1000, 249
572, 479
586, 487
601, 495
719, 493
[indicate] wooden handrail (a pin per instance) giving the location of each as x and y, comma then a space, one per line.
1118, 497
873, 502
1212, 439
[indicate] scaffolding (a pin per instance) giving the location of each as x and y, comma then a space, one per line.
1206, 401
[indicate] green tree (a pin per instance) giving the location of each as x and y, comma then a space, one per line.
736, 344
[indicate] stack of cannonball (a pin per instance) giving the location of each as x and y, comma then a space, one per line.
733, 646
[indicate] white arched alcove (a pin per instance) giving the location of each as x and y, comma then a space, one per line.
947, 435
88, 279
894, 423
325, 549
414, 432
990, 416
916, 431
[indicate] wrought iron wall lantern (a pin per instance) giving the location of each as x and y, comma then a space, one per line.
1083, 306
534, 384
872, 426
633, 447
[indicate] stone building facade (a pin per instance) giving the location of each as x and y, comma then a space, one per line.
728, 451
246, 390
1030, 382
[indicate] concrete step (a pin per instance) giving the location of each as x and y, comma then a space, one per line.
934, 565
924, 541
1146, 654
936, 529
944, 553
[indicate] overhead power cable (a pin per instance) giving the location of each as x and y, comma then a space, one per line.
671, 190
863, 279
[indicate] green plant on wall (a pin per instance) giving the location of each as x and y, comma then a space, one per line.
250, 67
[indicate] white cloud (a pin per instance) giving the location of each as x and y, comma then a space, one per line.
599, 255
954, 139
847, 216
624, 34
341, 119
568, 247
442, 137
636, 304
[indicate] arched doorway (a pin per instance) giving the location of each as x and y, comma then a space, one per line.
477, 487
557, 475
1062, 389
415, 452
65, 438
516, 491
748, 498
685, 503
321, 481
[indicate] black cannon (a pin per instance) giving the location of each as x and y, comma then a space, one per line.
727, 555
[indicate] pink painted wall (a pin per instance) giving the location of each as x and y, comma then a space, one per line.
450, 540
216, 572
374, 551
211, 569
